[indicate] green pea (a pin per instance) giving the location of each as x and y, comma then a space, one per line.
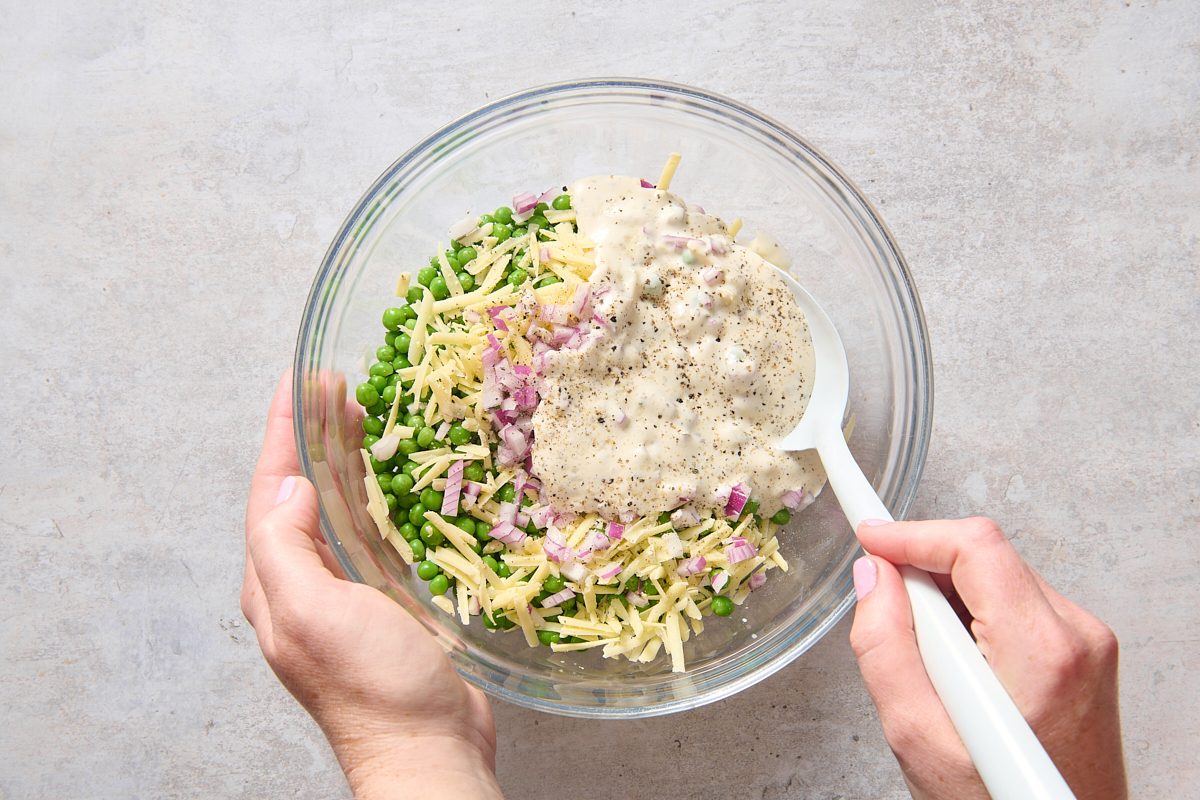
409, 467
366, 394
410, 324
428, 274
427, 570
384, 481
401, 362
539, 220
484, 219
473, 471
389, 394
547, 637
415, 293
403, 340
416, 514
389, 338
491, 563
562, 202
466, 525
372, 425
433, 537
664, 518
517, 277
466, 280
385, 353
482, 532
431, 498
488, 622
407, 447
507, 493
391, 501
547, 280
383, 368
380, 382
503, 570
418, 548
439, 585
379, 409
369, 440
502, 233
476, 547
568, 606
392, 318
781, 517
408, 501
414, 421
721, 606
378, 466
650, 589
459, 435
401, 484
502, 214
519, 232
466, 255
409, 312
408, 531
425, 437
751, 507
553, 584
439, 288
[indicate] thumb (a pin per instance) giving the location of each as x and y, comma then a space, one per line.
283, 543
885, 645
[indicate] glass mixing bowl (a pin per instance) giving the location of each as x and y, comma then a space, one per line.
736, 162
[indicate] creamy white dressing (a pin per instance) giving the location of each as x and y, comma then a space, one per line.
706, 362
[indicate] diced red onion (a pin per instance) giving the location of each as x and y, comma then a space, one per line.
522, 519
454, 481
524, 202
692, 566
527, 398
471, 315
555, 313
574, 570
508, 533
615, 531
719, 582
580, 301
507, 513
637, 599
495, 313
757, 580
739, 493
678, 242
513, 437
797, 499
542, 516
442, 430
558, 598
522, 369
711, 275
494, 344
544, 254
556, 547
385, 448
609, 572
737, 553
473, 606
695, 209
463, 227
718, 244
547, 196
647, 184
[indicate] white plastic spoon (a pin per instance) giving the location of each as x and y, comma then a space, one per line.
1010, 759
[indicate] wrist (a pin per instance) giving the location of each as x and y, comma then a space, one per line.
382, 767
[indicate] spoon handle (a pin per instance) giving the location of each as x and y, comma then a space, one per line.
1010, 759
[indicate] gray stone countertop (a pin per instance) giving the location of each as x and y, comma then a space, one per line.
171, 177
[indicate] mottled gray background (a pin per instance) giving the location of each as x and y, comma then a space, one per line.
170, 177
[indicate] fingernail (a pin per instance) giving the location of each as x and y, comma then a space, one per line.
865, 574
874, 522
285, 489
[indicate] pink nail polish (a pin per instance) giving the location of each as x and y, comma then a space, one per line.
875, 522
285, 489
865, 574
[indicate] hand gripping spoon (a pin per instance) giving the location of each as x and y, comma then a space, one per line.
1010, 759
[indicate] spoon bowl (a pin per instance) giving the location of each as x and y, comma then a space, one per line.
1010, 759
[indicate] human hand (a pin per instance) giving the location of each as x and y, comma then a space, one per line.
1057, 661
398, 717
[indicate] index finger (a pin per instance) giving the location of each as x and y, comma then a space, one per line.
278, 458
990, 577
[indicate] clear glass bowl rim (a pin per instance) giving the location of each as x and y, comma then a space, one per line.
898, 495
